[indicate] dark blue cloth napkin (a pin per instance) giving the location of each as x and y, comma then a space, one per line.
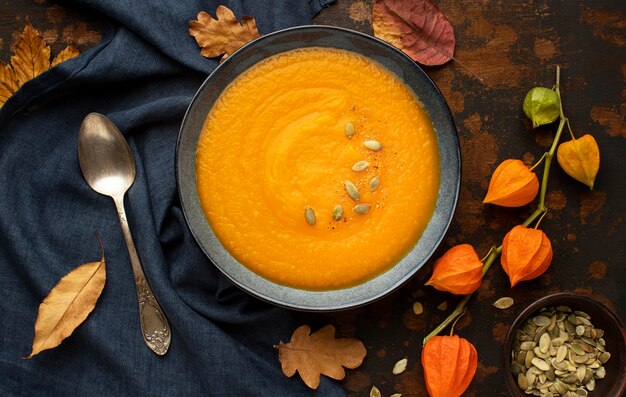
142, 75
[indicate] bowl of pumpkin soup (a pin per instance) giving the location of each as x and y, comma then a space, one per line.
318, 168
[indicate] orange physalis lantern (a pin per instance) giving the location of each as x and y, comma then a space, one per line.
458, 271
449, 365
526, 254
512, 185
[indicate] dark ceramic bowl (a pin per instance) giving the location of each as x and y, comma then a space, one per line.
614, 383
396, 62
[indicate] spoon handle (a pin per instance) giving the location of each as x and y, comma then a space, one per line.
154, 326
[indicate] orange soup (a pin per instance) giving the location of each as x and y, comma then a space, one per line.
280, 150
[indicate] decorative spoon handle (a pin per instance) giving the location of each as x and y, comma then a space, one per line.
154, 326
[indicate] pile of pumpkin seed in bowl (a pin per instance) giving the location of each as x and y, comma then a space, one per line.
558, 352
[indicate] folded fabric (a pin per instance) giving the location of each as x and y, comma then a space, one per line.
142, 75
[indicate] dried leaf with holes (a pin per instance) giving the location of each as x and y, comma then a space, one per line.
526, 254
312, 355
417, 27
512, 185
223, 35
458, 271
68, 304
449, 365
580, 158
31, 58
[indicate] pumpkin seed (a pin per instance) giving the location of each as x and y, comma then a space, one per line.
562, 352
352, 191
400, 366
503, 303
601, 373
374, 392
362, 208
360, 165
349, 129
374, 183
604, 357
418, 308
373, 145
309, 216
541, 321
522, 382
544, 343
541, 364
337, 212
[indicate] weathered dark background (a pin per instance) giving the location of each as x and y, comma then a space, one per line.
511, 46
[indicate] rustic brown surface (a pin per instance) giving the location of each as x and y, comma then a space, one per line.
511, 46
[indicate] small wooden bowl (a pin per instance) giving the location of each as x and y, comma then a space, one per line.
614, 384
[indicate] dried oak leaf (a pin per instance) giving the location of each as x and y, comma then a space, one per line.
417, 27
319, 353
223, 35
31, 58
68, 304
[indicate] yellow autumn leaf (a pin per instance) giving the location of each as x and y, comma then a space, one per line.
31, 58
32, 55
580, 159
223, 35
68, 52
8, 82
68, 304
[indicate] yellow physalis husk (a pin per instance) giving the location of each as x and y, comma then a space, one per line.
580, 159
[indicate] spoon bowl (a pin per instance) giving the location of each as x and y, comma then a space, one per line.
105, 158
108, 167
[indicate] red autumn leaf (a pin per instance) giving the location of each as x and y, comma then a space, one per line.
417, 27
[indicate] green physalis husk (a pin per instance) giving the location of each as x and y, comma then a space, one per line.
541, 105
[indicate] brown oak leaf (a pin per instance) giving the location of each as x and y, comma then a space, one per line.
417, 27
31, 58
223, 35
312, 355
68, 304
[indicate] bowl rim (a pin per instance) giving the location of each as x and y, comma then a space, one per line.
546, 301
338, 299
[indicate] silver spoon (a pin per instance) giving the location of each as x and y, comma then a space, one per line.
108, 167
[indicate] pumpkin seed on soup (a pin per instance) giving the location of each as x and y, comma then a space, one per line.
360, 165
349, 129
374, 183
352, 191
309, 216
337, 212
362, 208
373, 145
